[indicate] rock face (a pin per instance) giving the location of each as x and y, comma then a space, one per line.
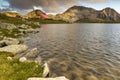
14, 49
57, 78
76, 13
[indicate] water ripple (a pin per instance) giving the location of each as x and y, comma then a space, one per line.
80, 51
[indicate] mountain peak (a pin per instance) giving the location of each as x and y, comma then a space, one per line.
79, 8
76, 13
36, 14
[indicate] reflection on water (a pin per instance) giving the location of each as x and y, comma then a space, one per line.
80, 51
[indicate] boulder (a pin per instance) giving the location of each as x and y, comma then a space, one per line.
46, 70
57, 78
8, 41
15, 49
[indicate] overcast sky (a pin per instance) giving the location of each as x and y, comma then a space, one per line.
55, 6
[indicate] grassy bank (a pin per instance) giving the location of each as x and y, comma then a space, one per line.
15, 70
16, 21
47, 21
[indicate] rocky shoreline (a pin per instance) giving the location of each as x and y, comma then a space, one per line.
21, 51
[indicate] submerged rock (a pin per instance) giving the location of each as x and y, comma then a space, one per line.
32, 52
57, 78
15, 49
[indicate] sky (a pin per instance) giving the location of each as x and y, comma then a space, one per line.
55, 6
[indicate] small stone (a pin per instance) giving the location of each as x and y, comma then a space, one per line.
9, 58
23, 59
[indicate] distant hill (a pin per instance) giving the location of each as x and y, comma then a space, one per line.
36, 14
85, 14
11, 14
32, 14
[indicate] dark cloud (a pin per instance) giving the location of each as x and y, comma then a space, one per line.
46, 5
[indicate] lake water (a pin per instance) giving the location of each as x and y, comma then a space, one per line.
80, 51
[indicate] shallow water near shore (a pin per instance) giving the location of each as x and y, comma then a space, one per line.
80, 51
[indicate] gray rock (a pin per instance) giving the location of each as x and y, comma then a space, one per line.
57, 78
8, 41
46, 70
15, 49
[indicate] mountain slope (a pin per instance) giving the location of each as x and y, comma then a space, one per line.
35, 14
11, 14
77, 13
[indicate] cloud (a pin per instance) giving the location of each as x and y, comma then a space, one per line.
2, 10
47, 5
94, 1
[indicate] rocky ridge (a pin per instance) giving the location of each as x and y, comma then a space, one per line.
77, 13
73, 14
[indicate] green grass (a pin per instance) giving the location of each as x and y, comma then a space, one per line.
15, 70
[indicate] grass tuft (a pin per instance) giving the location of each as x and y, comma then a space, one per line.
15, 70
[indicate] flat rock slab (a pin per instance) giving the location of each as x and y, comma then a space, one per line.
57, 78
9, 41
15, 49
